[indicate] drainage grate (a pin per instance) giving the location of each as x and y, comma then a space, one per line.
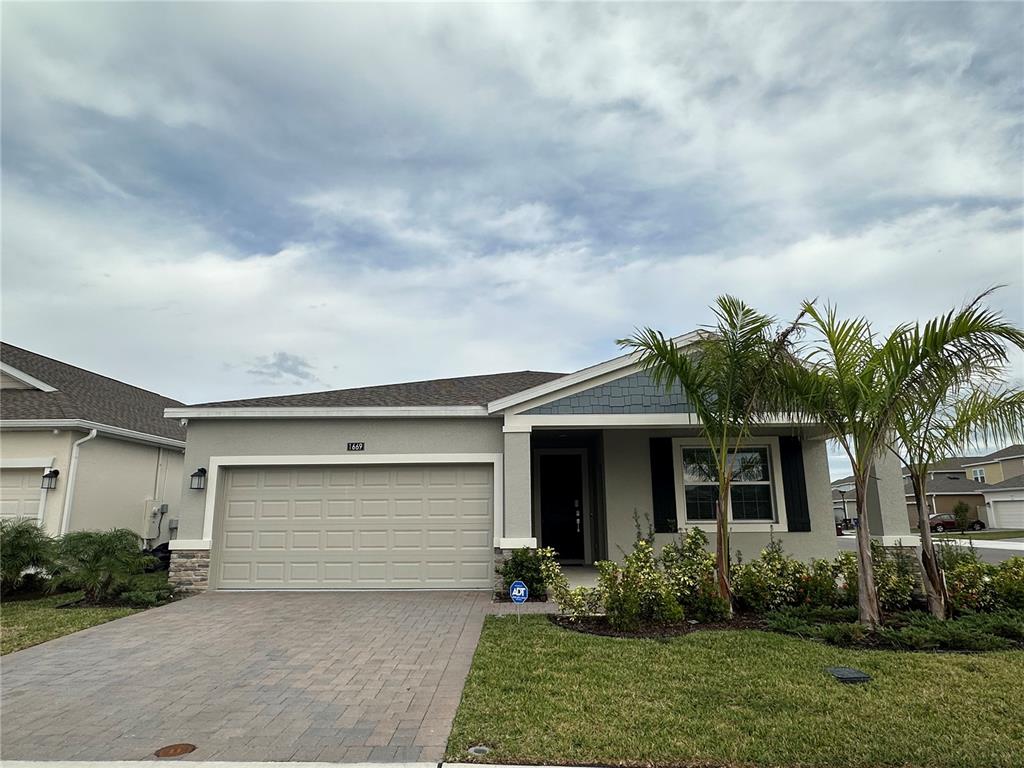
479, 750
848, 675
175, 750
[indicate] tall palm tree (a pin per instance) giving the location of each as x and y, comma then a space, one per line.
724, 375
960, 402
859, 385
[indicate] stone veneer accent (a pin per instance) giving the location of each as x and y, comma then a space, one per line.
190, 570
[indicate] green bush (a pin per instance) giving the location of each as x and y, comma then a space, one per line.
23, 545
638, 592
846, 564
896, 577
949, 554
961, 511
574, 603
100, 563
772, 581
820, 585
690, 571
524, 565
971, 586
1008, 583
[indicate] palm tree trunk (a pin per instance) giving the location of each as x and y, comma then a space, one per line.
722, 555
867, 597
934, 587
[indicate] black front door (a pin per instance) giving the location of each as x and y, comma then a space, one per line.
561, 504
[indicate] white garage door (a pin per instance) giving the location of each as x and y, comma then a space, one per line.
339, 527
19, 492
1009, 514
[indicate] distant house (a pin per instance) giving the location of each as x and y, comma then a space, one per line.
997, 466
81, 451
943, 492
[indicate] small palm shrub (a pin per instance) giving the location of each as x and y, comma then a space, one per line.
100, 563
23, 545
638, 592
524, 565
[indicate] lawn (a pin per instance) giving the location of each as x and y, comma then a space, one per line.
982, 535
30, 622
540, 694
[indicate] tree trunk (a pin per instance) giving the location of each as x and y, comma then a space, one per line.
867, 597
722, 555
934, 586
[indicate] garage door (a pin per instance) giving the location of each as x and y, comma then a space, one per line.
1009, 514
19, 492
369, 527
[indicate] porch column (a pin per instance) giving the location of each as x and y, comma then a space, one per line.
518, 489
887, 501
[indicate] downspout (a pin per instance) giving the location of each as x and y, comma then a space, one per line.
69, 492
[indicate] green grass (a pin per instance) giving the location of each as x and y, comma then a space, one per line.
540, 694
991, 535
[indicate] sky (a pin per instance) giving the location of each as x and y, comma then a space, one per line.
217, 201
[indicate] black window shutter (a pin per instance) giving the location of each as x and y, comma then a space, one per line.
663, 485
794, 484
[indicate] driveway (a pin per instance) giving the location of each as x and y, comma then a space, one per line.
333, 676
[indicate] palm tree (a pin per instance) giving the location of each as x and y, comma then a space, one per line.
959, 401
857, 384
724, 375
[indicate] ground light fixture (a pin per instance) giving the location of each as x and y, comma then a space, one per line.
849, 675
49, 480
197, 480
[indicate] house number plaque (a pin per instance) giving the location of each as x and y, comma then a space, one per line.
356, 446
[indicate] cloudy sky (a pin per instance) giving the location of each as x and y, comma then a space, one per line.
220, 201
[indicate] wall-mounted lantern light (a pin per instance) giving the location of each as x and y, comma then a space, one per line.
198, 479
49, 481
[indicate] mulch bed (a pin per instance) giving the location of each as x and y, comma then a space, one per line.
598, 625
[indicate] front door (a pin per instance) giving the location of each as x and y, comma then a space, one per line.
562, 501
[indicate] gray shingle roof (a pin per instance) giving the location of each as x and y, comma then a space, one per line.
82, 394
464, 390
1009, 452
1017, 481
943, 484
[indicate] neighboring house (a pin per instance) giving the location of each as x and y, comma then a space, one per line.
997, 466
1005, 503
844, 499
943, 492
83, 451
428, 484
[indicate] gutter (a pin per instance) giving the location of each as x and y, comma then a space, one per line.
103, 429
69, 491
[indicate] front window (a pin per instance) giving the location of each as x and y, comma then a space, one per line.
751, 495
978, 475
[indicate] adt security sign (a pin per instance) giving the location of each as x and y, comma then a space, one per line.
518, 592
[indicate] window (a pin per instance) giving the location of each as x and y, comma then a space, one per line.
751, 495
978, 474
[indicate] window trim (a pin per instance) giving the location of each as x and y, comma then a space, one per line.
775, 468
978, 474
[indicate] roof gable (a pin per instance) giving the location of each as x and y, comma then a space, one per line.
633, 393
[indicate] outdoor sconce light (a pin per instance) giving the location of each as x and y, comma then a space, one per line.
198, 479
49, 479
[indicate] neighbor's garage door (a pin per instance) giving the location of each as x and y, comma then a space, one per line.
1009, 514
404, 526
19, 492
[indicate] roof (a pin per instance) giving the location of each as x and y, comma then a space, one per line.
848, 480
948, 485
78, 394
1017, 481
460, 391
1010, 452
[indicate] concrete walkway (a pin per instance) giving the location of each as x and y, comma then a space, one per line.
327, 676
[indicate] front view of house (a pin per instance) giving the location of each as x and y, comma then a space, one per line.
424, 485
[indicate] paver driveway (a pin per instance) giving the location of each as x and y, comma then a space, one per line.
250, 676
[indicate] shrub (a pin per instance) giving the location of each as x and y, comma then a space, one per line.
100, 563
638, 592
690, 571
820, 585
574, 603
949, 554
23, 545
846, 565
524, 565
961, 512
772, 581
895, 577
1008, 583
971, 586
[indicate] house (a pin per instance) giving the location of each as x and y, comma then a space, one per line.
997, 466
1004, 503
83, 451
428, 484
844, 499
943, 492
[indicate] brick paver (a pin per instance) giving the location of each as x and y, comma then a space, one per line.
330, 676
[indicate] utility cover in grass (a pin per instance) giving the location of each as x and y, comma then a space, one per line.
848, 675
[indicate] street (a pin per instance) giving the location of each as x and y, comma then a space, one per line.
991, 551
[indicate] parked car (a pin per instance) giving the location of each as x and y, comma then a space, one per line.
946, 521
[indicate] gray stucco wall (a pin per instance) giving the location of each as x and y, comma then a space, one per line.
635, 393
16, 444
292, 437
628, 487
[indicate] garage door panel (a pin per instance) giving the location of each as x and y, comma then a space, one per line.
357, 527
1009, 513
